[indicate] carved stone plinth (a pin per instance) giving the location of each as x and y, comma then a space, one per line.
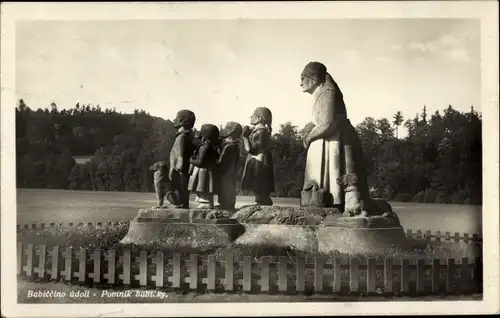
281, 227
360, 235
182, 229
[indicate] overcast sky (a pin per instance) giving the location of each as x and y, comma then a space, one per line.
223, 69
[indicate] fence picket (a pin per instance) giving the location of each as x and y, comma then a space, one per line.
450, 274
301, 270
420, 275
159, 262
456, 237
96, 276
54, 255
176, 271
466, 237
370, 275
464, 274
435, 275
229, 271
68, 264
337, 272
447, 236
126, 269
318, 274
405, 275
110, 275
211, 265
193, 271
388, 262
428, 235
419, 234
82, 266
143, 268
20, 253
354, 275
247, 273
264, 274
438, 236
29, 261
282, 274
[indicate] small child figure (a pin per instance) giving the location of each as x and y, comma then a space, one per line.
180, 154
161, 182
203, 177
228, 165
258, 174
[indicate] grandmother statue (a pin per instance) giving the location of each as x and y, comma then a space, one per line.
333, 145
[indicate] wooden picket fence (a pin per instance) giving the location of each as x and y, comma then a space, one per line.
447, 237
418, 234
266, 274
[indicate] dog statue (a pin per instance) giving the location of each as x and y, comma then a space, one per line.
354, 206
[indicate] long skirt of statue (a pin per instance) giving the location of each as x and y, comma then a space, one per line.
203, 182
258, 176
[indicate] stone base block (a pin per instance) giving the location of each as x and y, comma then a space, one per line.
351, 240
361, 222
295, 237
182, 229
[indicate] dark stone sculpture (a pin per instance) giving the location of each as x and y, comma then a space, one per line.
181, 152
203, 175
227, 165
258, 175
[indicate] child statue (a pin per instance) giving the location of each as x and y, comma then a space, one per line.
181, 152
227, 165
203, 177
258, 175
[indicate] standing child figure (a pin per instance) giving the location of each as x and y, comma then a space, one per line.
258, 175
181, 152
203, 177
228, 165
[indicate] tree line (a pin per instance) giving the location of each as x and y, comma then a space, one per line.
438, 161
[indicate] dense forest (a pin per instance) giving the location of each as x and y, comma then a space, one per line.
439, 160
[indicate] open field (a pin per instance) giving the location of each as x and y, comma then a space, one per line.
64, 206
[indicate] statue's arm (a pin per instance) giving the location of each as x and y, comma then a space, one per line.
182, 152
200, 157
326, 123
260, 141
247, 144
223, 161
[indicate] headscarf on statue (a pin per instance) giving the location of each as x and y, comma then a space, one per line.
317, 71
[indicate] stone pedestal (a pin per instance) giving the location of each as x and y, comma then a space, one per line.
281, 227
361, 235
295, 237
182, 229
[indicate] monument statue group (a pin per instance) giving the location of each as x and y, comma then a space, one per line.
335, 180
